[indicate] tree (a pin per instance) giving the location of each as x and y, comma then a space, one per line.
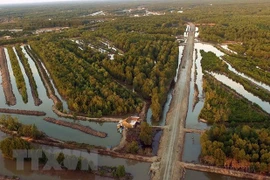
146, 134
133, 147
120, 171
12, 143
220, 157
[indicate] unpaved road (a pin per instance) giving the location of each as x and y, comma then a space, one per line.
172, 141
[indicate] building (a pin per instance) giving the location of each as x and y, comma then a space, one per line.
128, 123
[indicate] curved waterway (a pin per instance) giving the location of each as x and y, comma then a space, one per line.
195, 105
241, 90
54, 130
139, 170
8, 167
218, 53
192, 146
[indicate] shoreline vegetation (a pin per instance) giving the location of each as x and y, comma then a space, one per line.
210, 62
223, 105
31, 134
23, 135
85, 73
240, 148
58, 107
29, 74
20, 81
160, 50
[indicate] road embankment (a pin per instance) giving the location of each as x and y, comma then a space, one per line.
85, 129
172, 141
6, 83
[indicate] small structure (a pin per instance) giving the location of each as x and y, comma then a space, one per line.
7, 37
128, 123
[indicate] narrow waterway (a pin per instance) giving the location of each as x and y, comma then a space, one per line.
225, 46
12, 79
192, 146
65, 106
40, 87
258, 83
28, 89
218, 53
166, 106
8, 167
194, 109
54, 130
241, 90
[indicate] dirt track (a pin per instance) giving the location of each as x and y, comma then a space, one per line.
172, 140
6, 83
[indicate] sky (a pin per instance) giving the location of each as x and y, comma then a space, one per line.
30, 1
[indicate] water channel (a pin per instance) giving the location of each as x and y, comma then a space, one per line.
138, 169
8, 167
192, 145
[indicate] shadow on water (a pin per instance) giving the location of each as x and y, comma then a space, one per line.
155, 143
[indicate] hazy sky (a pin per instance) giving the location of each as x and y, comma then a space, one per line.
31, 1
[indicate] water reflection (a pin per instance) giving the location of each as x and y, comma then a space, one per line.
241, 90
53, 130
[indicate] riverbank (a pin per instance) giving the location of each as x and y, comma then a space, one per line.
6, 83
33, 86
46, 140
22, 112
227, 172
85, 129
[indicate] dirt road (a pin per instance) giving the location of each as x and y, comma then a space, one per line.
173, 138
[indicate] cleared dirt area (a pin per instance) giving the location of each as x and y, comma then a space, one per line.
6, 83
